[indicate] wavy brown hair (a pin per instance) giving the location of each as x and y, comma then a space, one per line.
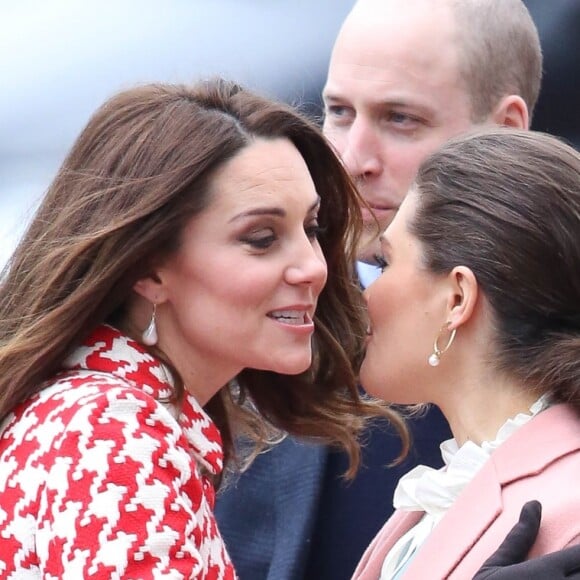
138, 172
506, 204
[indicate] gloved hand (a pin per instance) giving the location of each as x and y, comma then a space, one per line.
507, 562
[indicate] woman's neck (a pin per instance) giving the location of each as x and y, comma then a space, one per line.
201, 377
477, 410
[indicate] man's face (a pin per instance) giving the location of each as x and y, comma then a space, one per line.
393, 95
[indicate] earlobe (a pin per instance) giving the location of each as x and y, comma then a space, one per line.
464, 297
512, 112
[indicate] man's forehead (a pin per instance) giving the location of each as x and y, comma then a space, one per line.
370, 13
385, 54
395, 83
423, 39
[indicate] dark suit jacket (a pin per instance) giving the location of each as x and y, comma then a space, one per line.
291, 516
267, 517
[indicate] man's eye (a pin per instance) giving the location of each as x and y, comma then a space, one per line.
337, 111
401, 119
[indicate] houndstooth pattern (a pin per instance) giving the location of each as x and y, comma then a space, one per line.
101, 479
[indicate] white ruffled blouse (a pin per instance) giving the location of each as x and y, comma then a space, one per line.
434, 490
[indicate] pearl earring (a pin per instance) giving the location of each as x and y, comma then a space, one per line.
435, 358
149, 336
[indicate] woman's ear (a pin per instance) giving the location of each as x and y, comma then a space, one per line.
151, 288
463, 296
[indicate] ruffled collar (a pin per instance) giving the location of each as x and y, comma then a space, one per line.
434, 490
107, 350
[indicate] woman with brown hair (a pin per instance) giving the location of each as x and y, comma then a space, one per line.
478, 311
184, 281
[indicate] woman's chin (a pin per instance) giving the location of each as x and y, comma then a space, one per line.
294, 366
374, 385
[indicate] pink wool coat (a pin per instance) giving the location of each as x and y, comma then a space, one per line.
540, 461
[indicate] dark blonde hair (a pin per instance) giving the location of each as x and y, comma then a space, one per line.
506, 204
140, 169
499, 53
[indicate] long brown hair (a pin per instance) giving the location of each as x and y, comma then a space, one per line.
139, 170
506, 203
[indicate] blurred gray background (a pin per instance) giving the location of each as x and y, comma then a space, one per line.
60, 59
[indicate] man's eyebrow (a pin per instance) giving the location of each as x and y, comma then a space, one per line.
398, 102
402, 103
332, 96
395, 102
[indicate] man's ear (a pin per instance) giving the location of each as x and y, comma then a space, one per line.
512, 112
463, 296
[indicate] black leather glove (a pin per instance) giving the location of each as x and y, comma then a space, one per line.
507, 562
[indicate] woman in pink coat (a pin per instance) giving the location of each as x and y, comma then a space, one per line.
478, 312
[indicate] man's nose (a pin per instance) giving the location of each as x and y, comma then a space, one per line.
361, 152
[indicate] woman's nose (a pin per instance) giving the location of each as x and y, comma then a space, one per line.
308, 265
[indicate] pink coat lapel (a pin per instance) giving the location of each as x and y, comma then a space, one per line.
369, 568
456, 539
459, 530
465, 538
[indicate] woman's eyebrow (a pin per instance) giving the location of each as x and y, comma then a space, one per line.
273, 211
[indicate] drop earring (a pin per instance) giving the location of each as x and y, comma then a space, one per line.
435, 357
149, 336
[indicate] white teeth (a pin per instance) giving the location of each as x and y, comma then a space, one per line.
290, 316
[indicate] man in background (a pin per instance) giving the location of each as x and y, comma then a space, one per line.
404, 76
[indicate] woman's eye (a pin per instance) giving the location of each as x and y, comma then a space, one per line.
381, 262
313, 231
261, 242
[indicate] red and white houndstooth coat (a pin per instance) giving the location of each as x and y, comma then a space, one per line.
101, 479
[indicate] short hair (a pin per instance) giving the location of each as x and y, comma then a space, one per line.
506, 204
499, 53
141, 168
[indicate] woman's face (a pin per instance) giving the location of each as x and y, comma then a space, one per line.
406, 307
242, 289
